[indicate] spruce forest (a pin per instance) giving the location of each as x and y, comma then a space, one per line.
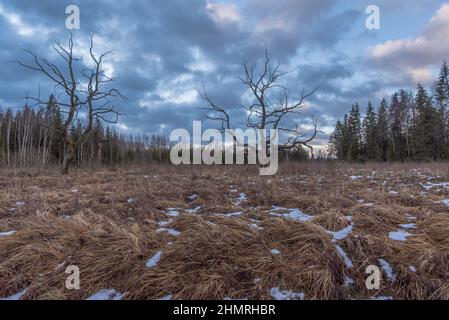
409, 127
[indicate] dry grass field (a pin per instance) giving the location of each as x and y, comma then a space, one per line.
227, 233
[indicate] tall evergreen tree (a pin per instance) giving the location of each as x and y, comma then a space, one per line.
354, 132
370, 149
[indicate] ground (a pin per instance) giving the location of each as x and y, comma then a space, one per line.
166, 232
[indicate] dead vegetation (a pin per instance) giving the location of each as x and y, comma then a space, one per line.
219, 238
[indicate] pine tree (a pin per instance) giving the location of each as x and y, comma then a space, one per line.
335, 141
424, 130
442, 100
354, 131
382, 132
370, 149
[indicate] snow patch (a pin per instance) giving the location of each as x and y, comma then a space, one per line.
430, 185
106, 294
408, 226
387, 269
171, 231
286, 294
381, 298
164, 223
172, 212
412, 268
16, 296
255, 226
342, 234
399, 235
348, 281
242, 198
167, 297
7, 233
192, 197
293, 214
444, 202
153, 261
194, 210
345, 257
275, 251
231, 214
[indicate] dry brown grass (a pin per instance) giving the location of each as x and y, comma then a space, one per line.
106, 223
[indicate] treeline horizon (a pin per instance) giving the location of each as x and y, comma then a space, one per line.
411, 126
32, 137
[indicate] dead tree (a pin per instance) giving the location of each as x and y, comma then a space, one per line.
273, 103
83, 90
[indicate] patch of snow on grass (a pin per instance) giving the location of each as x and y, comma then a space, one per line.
16, 296
7, 233
348, 281
431, 185
275, 251
355, 178
286, 294
343, 254
293, 214
231, 214
20, 204
444, 202
192, 197
255, 226
164, 223
171, 231
399, 235
381, 298
194, 210
412, 268
342, 234
131, 200
153, 261
408, 225
172, 212
242, 198
106, 294
387, 269
167, 297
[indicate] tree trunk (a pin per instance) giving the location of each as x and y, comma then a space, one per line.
69, 156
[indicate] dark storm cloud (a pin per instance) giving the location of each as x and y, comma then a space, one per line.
165, 51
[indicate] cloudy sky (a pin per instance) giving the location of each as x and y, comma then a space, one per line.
165, 51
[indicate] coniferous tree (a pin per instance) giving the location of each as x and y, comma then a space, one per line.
370, 149
382, 132
354, 132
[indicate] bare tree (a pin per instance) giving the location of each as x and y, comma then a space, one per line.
85, 91
272, 104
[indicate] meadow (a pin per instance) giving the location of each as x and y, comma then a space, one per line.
225, 232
